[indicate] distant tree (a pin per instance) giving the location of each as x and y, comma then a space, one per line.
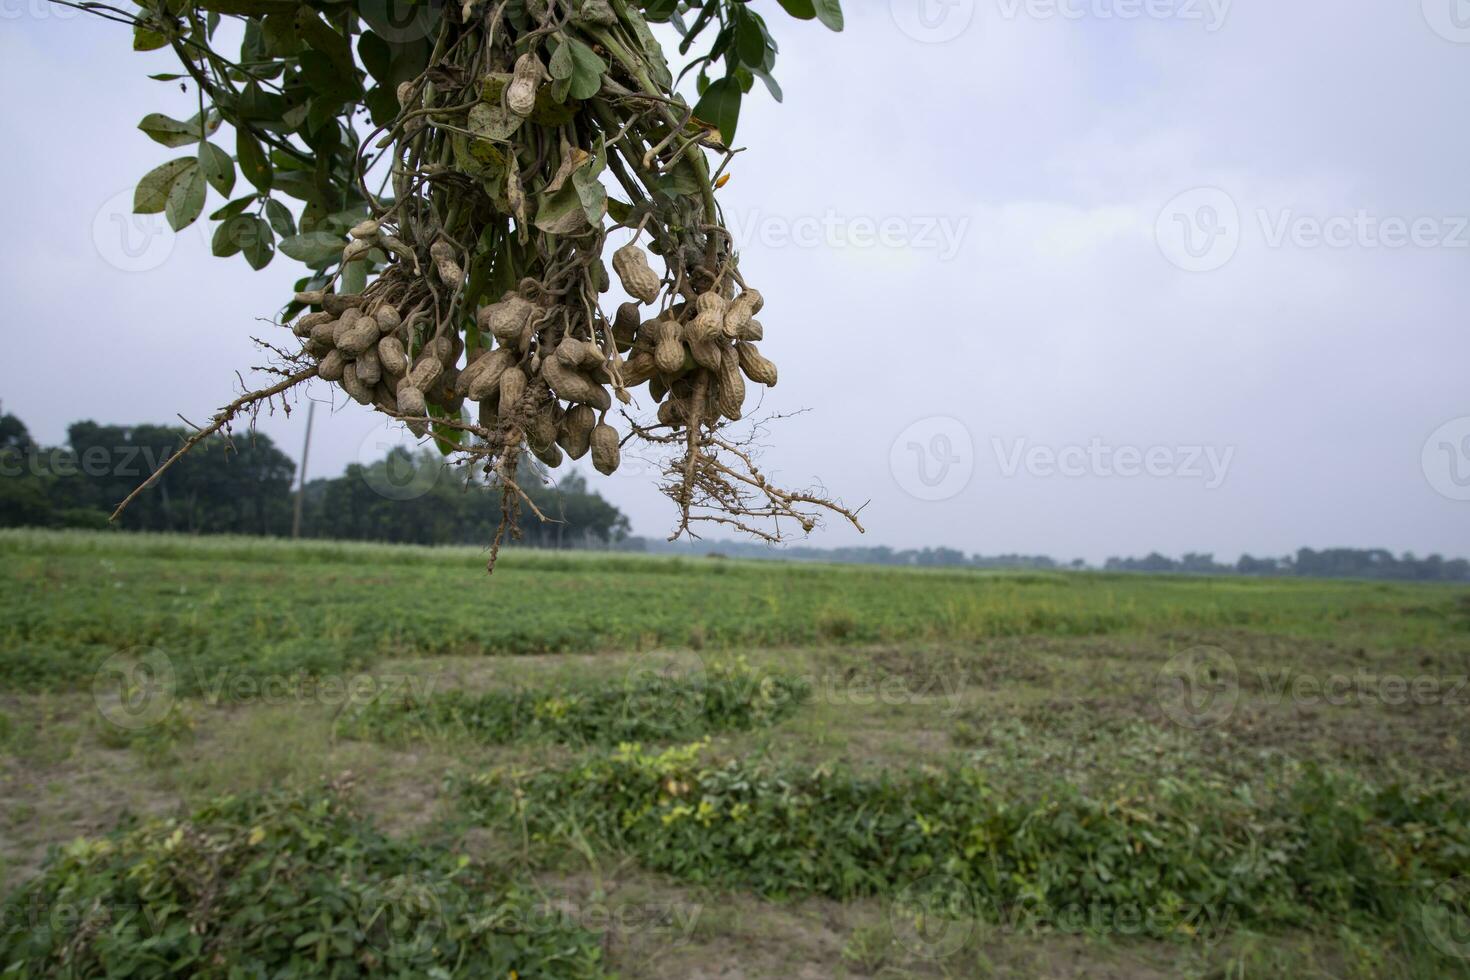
25, 497
13, 434
242, 487
419, 498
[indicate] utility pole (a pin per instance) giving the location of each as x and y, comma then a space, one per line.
301, 483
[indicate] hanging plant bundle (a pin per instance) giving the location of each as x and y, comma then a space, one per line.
472, 182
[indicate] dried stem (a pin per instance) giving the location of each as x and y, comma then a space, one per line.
221, 419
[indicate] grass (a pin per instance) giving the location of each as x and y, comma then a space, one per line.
1044, 707
221, 608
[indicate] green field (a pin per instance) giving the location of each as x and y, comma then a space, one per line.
844, 770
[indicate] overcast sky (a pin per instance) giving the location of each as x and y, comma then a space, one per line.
1081, 278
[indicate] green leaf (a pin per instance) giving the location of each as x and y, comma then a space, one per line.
771, 85
164, 76
561, 213
151, 195
228, 237
493, 122
172, 132
218, 168
237, 206
280, 218
592, 195
829, 12
260, 247
382, 104
561, 66
587, 72
549, 111
185, 198
680, 183
720, 107
328, 79
146, 38
313, 247
320, 36
298, 185
377, 57
750, 40
621, 211
278, 32
253, 162
446, 437
653, 52
800, 9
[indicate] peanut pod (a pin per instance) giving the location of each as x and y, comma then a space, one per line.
604, 445
759, 369
639, 281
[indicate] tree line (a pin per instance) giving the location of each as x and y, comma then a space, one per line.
247, 487
1374, 563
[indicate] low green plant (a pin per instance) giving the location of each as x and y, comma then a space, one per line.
1177, 859
226, 608
646, 707
279, 886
